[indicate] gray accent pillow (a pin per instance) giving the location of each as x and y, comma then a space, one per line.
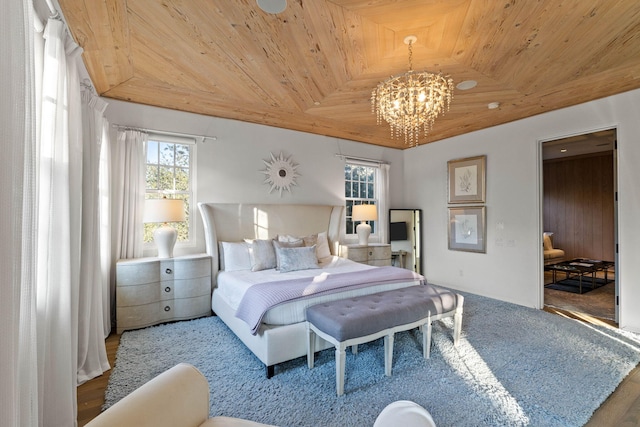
292, 259
262, 254
288, 244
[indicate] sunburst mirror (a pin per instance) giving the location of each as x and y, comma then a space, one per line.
280, 173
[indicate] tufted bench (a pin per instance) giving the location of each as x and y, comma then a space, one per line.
358, 320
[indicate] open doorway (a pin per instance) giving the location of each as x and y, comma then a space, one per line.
579, 222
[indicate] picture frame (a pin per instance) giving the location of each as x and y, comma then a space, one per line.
467, 180
468, 229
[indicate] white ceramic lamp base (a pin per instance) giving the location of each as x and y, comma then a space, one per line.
363, 230
165, 238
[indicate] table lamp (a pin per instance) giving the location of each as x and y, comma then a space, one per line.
364, 213
164, 211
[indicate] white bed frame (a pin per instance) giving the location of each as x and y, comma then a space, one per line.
232, 222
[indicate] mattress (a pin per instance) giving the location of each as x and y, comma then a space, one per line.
233, 284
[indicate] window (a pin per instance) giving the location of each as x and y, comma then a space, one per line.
359, 188
169, 173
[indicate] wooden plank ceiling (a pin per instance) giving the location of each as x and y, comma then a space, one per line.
312, 67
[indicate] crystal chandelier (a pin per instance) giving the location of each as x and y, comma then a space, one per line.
410, 102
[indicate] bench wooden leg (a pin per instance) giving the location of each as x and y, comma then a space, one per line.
340, 361
388, 354
426, 339
311, 347
457, 321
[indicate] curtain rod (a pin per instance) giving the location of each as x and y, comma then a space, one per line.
164, 132
361, 159
53, 10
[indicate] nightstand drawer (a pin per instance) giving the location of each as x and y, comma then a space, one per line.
143, 294
373, 254
379, 253
189, 288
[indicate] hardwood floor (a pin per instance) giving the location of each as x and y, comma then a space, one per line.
91, 393
621, 409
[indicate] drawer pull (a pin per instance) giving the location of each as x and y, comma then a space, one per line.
167, 289
168, 271
167, 308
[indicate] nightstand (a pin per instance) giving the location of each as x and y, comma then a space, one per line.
378, 254
152, 290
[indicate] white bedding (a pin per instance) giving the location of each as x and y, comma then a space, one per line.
233, 284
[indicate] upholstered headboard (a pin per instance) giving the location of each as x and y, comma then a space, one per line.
233, 222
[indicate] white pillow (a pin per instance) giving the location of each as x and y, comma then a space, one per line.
234, 256
292, 259
262, 254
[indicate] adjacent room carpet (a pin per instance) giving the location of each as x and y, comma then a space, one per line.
573, 285
514, 366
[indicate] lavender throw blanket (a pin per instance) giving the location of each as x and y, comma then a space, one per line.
259, 298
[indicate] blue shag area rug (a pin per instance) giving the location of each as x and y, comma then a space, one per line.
514, 366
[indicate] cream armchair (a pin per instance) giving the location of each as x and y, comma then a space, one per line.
178, 397
551, 254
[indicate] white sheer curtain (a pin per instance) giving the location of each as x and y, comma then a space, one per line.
128, 162
18, 363
54, 271
59, 233
94, 272
383, 202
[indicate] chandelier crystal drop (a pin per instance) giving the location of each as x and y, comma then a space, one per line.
412, 101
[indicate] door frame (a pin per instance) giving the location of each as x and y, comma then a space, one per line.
540, 184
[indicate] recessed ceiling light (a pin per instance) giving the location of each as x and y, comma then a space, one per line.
467, 84
493, 105
272, 6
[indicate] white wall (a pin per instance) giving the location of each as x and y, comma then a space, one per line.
513, 271
229, 168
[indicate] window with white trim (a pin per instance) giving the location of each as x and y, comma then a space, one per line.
359, 188
169, 173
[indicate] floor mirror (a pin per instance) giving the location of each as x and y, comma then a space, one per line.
405, 238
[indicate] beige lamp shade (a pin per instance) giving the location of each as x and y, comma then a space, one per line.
365, 213
164, 210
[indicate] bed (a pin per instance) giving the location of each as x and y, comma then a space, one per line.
280, 334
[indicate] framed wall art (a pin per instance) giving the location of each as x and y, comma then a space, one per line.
467, 179
467, 228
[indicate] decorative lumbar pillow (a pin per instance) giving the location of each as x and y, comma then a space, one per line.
262, 254
320, 240
323, 252
285, 244
234, 256
292, 259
